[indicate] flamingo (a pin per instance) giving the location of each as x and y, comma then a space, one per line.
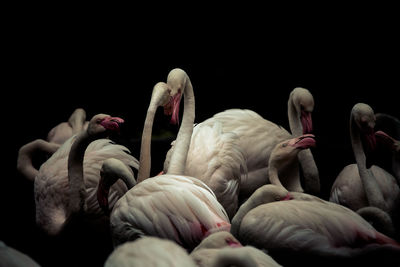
149, 251
224, 242
215, 158
171, 206
55, 138
160, 97
66, 183
305, 225
357, 186
154, 251
258, 136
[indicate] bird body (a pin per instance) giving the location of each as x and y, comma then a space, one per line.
224, 243
322, 228
174, 207
348, 189
149, 252
359, 186
257, 138
52, 185
215, 158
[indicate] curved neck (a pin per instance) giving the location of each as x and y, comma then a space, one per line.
273, 175
77, 120
109, 175
25, 154
145, 148
306, 159
259, 197
77, 188
178, 158
379, 218
371, 187
295, 125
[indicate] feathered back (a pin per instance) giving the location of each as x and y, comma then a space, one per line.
175, 207
51, 184
149, 252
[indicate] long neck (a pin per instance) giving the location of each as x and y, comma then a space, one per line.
229, 257
379, 218
112, 170
371, 187
306, 159
178, 158
145, 148
25, 154
77, 120
259, 197
295, 125
77, 188
273, 175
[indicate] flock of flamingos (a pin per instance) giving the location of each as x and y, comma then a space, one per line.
236, 189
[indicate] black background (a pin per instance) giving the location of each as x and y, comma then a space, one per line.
56, 63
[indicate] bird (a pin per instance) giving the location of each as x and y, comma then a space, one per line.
215, 158
66, 183
281, 158
160, 97
10, 257
258, 136
149, 251
305, 226
172, 205
224, 242
357, 186
55, 138
309, 228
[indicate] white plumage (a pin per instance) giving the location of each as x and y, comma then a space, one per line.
215, 158
51, 184
174, 207
149, 252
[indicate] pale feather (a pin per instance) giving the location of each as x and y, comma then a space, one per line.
167, 206
52, 187
316, 227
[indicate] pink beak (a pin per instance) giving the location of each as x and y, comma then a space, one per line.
112, 123
175, 109
288, 197
306, 122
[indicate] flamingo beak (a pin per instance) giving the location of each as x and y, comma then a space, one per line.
305, 141
112, 123
172, 107
306, 122
288, 197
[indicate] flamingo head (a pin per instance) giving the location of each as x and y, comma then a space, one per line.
364, 118
176, 81
304, 104
102, 123
286, 151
